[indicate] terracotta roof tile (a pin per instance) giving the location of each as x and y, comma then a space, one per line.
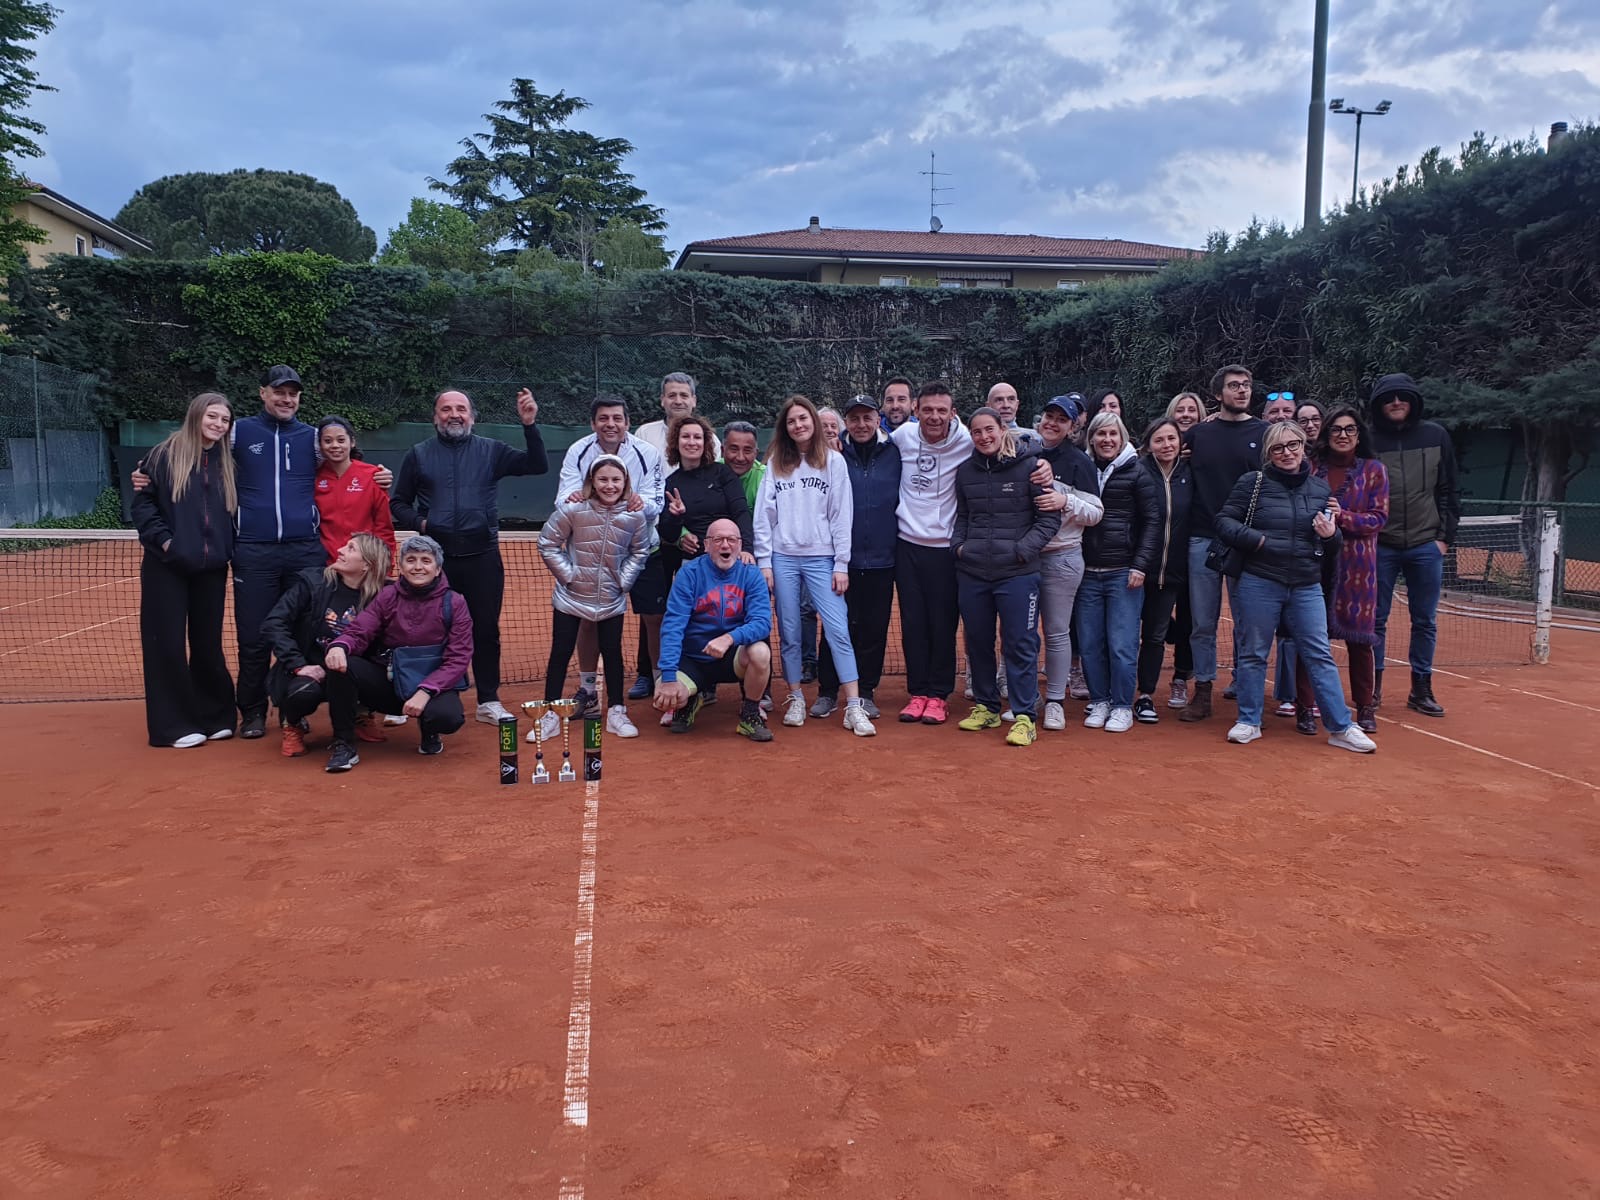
912, 243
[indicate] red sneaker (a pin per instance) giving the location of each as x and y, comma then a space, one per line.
370, 729
294, 742
935, 712
912, 712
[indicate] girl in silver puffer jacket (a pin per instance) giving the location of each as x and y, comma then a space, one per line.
595, 547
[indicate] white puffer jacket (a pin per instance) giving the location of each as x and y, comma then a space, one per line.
596, 553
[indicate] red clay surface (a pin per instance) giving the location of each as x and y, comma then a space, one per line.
921, 966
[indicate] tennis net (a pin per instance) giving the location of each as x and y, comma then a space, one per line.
69, 619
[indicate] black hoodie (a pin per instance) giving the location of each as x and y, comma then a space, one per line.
1421, 462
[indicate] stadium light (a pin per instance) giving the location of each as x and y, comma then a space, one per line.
1358, 113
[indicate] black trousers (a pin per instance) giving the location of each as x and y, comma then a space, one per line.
564, 640
869, 602
925, 578
262, 573
301, 698
367, 683
481, 578
1178, 637
1155, 620
187, 688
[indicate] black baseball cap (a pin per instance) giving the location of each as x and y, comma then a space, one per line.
281, 374
864, 402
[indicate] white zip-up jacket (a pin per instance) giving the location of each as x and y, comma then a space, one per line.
646, 473
927, 511
807, 515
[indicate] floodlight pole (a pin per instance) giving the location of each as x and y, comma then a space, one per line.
1316, 122
1350, 110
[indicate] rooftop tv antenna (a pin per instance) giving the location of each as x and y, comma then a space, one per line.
933, 174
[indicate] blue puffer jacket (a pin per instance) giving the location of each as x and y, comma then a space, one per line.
875, 491
276, 475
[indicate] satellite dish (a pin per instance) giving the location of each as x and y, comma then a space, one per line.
935, 225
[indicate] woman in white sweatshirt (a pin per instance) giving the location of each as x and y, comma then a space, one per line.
802, 525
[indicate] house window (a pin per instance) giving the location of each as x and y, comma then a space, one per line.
894, 281
965, 278
1069, 285
951, 283
83, 247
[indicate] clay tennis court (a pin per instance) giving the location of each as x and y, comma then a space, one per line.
923, 965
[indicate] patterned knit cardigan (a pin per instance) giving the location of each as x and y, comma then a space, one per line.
1364, 510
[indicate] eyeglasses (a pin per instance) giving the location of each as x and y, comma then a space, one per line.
1280, 395
723, 538
1342, 431
1287, 448
1238, 385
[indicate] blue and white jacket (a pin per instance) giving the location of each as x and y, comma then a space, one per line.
276, 475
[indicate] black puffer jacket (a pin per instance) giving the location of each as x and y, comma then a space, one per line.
199, 527
1128, 537
999, 532
1279, 542
1174, 496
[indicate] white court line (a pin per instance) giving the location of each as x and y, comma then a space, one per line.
575, 1102
1491, 754
69, 633
1506, 686
71, 592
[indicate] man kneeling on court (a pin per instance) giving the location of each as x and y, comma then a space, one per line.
718, 619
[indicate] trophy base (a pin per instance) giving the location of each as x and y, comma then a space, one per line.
568, 775
540, 775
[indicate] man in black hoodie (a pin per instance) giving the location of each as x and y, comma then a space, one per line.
1424, 509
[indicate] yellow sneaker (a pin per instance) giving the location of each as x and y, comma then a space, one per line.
1022, 733
983, 717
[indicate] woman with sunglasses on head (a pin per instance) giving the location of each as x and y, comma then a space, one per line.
1282, 521
1279, 407
1343, 457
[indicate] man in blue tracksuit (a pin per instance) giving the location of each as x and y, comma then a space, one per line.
874, 465
275, 462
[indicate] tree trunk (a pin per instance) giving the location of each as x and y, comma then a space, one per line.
1549, 449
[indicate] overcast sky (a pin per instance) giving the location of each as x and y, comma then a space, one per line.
1154, 120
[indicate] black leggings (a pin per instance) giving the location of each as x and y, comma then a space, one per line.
366, 682
564, 639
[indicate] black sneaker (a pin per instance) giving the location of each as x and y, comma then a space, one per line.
752, 722
708, 697
341, 757
431, 743
589, 704
808, 670
1144, 711
683, 719
254, 726
640, 689
1305, 722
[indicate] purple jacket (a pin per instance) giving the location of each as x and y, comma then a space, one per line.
401, 616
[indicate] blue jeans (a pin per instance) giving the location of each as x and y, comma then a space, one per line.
1283, 680
1263, 603
1016, 602
1423, 567
1108, 624
1205, 607
815, 574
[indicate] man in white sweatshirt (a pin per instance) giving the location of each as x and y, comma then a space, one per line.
678, 399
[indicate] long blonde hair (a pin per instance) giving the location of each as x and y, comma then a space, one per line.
185, 446
375, 553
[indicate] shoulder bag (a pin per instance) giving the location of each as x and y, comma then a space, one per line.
1229, 560
410, 665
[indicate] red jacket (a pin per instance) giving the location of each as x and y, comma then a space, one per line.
352, 503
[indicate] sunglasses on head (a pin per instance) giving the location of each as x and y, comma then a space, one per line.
1280, 396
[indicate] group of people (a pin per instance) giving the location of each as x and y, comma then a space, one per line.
1068, 550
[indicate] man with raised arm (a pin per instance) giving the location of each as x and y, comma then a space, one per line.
448, 488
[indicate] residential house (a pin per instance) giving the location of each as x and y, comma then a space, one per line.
70, 228
905, 258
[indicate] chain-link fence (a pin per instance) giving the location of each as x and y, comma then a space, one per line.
54, 461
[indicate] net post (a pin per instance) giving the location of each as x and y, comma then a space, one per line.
1544, 598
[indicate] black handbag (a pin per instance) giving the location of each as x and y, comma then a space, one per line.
410, 665
1229, 560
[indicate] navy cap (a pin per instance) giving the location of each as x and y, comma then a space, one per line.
863, 402
281, 374
1071, 405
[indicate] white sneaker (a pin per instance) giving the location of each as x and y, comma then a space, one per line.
794, 709
395, 718
1354, 738
1055, 716
1007, 715
189, 741
492, 712
547, 729
617, 722
1285, 708
1099, 713
857, 721
221, 735
1120, 721
1245, 734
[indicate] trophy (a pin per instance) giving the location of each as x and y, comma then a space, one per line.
564, 709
